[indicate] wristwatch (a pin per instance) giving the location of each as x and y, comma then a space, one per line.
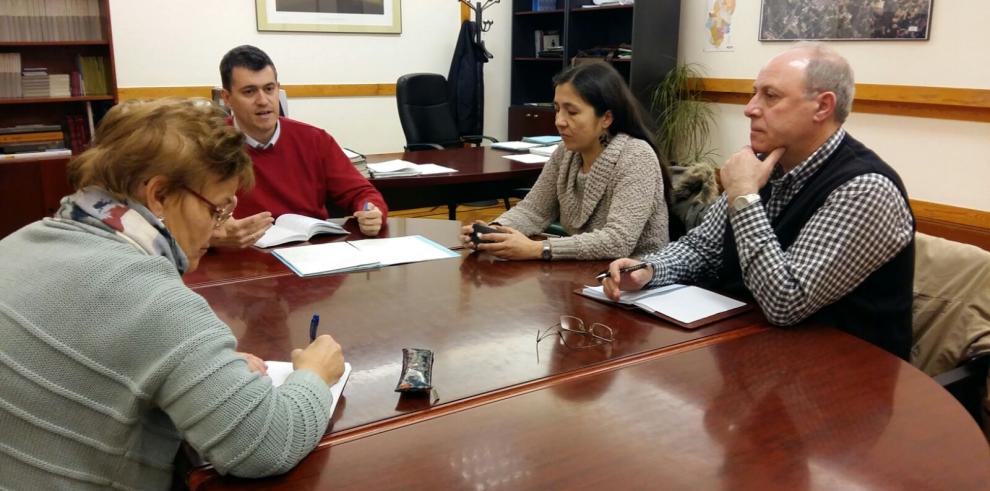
743, 202
547, 254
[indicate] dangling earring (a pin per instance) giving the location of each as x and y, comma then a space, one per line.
604, 138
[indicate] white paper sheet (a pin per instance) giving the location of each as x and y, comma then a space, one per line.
528, 158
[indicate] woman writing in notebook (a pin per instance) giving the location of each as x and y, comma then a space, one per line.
109, 359
604, 183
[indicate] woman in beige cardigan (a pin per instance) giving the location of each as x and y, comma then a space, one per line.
605, 182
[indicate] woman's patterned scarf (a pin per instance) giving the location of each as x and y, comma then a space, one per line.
128, 220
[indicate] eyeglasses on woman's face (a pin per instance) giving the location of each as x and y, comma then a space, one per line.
220, 213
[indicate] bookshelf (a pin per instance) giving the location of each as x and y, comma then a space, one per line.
652, 24
47, 38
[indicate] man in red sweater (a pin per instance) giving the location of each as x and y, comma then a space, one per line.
297, 167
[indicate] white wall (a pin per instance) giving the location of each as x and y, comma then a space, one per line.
180, 43
942, 161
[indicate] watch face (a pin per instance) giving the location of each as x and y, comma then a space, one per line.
743, 201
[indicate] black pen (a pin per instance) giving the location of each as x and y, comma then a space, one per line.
313, 324
628, 269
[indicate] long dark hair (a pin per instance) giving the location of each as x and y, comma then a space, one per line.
603, 88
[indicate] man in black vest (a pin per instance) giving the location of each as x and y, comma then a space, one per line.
812, 225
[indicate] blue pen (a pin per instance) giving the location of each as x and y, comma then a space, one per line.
313, 324
367, 206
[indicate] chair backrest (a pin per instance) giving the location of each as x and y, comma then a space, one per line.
424, 110
951, 312
283, 103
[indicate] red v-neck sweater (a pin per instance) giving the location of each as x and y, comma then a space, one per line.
301, 172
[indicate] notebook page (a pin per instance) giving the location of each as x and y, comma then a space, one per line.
280, 370
688, 304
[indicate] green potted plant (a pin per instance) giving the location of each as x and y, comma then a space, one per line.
683, 137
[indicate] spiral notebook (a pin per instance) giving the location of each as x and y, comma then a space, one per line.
687, 306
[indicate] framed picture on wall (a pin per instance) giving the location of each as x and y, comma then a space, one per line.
368, 16
843, 20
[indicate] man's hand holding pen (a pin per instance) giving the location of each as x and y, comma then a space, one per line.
625, 275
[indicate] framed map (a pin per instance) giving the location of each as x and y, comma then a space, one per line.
370, 16
788, 20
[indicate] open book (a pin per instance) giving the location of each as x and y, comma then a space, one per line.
403, 168
291, 227
346, 257
280, 370
687, 306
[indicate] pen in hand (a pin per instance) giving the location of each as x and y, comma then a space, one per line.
313, 324
628, 269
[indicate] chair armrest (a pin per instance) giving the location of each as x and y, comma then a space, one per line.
422, 146
476, 139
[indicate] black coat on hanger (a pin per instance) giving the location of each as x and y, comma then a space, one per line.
466, 81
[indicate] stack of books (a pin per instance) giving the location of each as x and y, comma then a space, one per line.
34, 82
359, 161
32, 140
58, 85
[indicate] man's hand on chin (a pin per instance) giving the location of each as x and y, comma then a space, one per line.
744, 173
242, 233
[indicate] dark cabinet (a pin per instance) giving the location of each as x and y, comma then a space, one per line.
530, 121
639, 39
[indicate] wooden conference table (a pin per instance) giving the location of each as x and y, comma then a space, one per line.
482, 174
732, 403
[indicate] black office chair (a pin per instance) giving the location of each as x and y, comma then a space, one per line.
427, 117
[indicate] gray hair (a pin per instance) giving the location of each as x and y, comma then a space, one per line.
828, 71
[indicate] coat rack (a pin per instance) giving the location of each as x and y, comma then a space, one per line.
478, 8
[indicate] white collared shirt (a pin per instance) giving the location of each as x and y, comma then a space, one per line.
255, 144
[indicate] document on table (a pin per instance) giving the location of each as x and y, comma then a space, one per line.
401, 250
278, 371
335, 257
528, 158
403, 168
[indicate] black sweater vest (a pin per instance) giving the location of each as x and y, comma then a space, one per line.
879, 309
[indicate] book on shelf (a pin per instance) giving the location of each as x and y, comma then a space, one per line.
403, 168
61, 153
360, 255
50, 20
94, 73
36, 136
687, 306
10, 75
293, 228
544, 5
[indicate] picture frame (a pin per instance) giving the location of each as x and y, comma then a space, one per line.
847, 20
350, 16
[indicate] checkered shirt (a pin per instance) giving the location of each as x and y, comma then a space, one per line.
862, 225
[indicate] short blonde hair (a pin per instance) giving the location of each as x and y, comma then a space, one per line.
186, 140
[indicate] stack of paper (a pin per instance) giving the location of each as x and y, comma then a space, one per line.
346, 257
542, 140
402, 168
514, 146
546, 150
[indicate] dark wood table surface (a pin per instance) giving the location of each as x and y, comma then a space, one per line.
480, 317
482, 174
229, 265
803, 408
